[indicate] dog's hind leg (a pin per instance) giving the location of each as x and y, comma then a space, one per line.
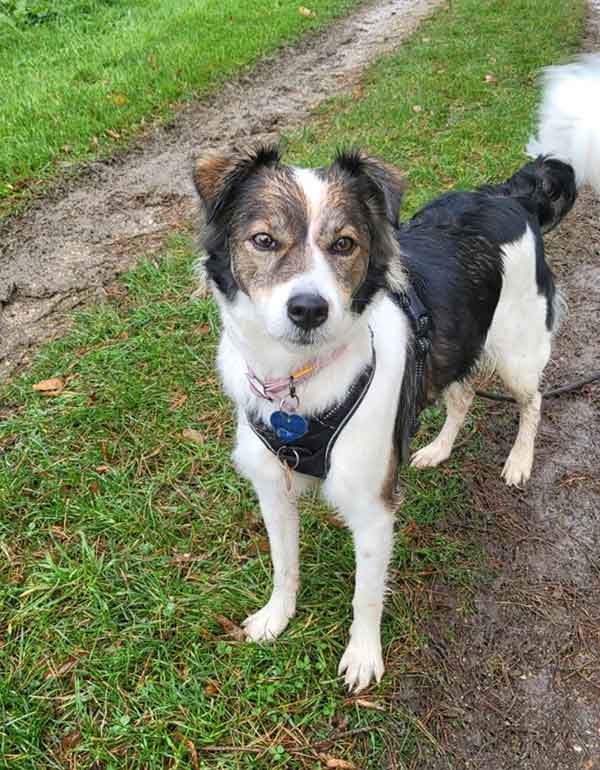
517, 468
458, 398
521, 371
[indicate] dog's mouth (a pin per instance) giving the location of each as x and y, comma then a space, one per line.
304, 338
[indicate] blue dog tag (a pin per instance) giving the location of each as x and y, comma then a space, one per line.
289, 427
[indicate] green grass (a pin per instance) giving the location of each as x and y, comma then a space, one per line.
79, 76
430, 108
123, 542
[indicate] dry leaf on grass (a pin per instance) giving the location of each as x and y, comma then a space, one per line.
64, 668
304, 11
230, 628
369, 704
336, 764
178, 401
191, 748
193, 435
51, 387
70, 740
258, 546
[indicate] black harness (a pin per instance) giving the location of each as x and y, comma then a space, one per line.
311, 454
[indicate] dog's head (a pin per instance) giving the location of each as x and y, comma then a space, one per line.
309, 248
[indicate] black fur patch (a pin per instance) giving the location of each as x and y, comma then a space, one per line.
457, 273
220, 205
376, 192
540, 194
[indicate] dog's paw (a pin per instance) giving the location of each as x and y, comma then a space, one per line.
431, 455
517, 468
362, 662
266, 624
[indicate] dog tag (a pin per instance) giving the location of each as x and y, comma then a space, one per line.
289, 427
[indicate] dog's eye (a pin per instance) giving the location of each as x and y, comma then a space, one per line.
264, 242
343, 245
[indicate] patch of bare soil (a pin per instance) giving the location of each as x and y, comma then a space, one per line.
514, 683
66, 248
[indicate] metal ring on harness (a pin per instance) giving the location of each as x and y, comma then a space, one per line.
283, 460
291, 409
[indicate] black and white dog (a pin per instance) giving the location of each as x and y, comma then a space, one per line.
339, 325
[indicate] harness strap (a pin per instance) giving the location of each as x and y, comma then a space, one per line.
311, 454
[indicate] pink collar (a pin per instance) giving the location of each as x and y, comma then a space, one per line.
270, 389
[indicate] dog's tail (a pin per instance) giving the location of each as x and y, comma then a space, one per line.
566, 151
569, 119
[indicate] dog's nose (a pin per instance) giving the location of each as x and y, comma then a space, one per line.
307, 310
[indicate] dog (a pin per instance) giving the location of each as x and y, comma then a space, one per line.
340, 325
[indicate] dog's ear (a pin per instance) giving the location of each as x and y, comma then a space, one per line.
385, 177
217, 176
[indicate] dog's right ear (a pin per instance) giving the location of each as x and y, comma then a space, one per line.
218, 176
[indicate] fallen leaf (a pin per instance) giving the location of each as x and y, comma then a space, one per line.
191, 748
120, 100
230, 628
94, 487
70, 740
369, 704
178, 402
101, 468
202, 329
113, 134
185, 558
7, 442
336, 764
211, 688
94, 141
67, 148
51, 387
116, 290
64, 668
258, 546
304, 11
193, 435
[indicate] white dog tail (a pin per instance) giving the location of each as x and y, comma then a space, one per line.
569, 118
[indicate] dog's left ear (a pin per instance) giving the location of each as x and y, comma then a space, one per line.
385, 177
217, 176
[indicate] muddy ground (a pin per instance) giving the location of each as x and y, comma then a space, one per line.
511, 677
72, 244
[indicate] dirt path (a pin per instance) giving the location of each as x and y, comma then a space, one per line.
65, 249
513, 682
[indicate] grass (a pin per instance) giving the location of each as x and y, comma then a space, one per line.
78, 77
129, 543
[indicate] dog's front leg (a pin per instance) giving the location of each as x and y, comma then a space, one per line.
372, 525
279, 509
280, 514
